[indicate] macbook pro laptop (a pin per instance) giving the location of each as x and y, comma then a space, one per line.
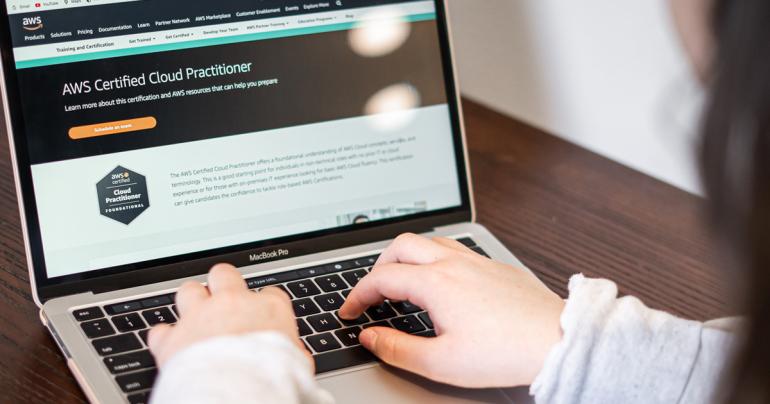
293, 139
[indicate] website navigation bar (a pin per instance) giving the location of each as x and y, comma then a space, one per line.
141, 17
207, 35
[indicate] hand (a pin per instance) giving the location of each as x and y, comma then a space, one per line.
495, 324
227, 307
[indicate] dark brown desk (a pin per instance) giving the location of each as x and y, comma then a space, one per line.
561, 209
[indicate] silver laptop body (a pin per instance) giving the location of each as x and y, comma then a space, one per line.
80, 182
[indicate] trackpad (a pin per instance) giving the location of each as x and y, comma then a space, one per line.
386, 385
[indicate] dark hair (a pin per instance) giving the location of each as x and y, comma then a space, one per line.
735, 159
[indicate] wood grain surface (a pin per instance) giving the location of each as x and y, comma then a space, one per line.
560, 208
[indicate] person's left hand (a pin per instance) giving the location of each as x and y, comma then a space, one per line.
495, 323
227, 307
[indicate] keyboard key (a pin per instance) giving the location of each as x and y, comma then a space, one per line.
304, 307
379, 324
97, 328
130, 362
303, 328
304, 288
479, 251
406, 307
117, 344
329, 302
143, 335
426, 319
353, 277
381, 312
323, 322
467, 242
362, 319
157, 316
157, 301
349, 336
345, 293
137, 381
128, 322
408, 324
323, 342
121, 308
139, 398
91, 313
331, 283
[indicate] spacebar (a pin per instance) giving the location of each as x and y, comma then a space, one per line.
326, 362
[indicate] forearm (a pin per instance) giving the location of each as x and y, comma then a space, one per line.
618, 350
253, 368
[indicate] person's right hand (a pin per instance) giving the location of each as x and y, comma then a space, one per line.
495, 324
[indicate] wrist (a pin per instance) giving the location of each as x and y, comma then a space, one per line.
551, 337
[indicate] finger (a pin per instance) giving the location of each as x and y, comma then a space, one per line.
412, 249
281, 296
396, 348
392, 281
272, 290
157, 336
451, 243
189, 296
224, 277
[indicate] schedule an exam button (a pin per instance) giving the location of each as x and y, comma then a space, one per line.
112, 128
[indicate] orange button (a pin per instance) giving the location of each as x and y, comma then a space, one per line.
112, 128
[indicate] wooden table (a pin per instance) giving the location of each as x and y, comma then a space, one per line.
560, 208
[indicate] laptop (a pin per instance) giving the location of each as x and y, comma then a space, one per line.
293, 139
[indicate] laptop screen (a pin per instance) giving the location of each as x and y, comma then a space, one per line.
162, 129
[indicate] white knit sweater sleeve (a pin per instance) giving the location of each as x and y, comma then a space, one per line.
620, 351
263, 368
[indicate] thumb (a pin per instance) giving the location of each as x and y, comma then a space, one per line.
399, 349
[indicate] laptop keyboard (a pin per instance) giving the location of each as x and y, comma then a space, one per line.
118, 332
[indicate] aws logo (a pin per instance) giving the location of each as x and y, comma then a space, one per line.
32, 23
